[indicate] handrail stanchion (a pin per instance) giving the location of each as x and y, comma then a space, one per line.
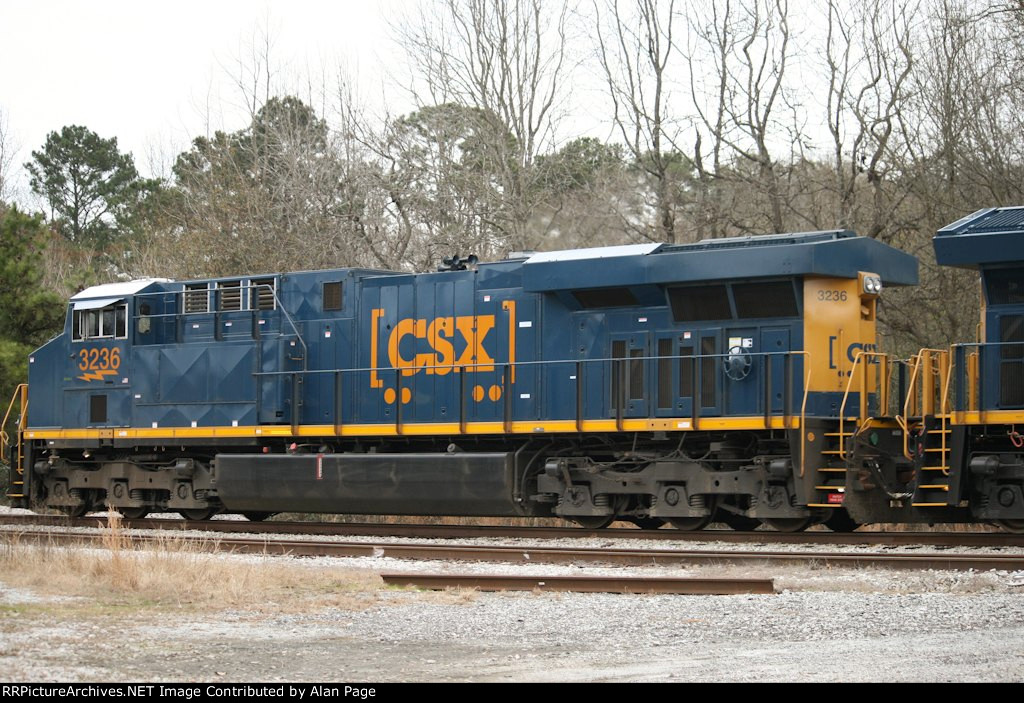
619, 373
787, 392
337, 402
506, 384
462, 399
398, 401
696, 391
579, 396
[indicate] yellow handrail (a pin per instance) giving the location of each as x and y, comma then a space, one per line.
842, 406
972, 360
21, 397
909, 401
923, 360
946, 410
945, 407
803, 410
19, 394
883, 381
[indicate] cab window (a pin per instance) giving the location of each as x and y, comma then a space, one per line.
110, 322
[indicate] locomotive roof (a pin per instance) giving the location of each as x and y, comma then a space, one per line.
989, 236
115, 291
835, 253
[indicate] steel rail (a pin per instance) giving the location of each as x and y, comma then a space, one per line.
340, 529
582, 584
548, 555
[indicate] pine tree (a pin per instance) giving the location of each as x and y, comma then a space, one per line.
29, 314
92, 189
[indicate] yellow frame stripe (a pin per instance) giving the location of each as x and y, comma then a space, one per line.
987, 417
421, 429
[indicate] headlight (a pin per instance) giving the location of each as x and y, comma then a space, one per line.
872, 285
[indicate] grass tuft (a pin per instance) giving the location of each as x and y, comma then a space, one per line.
178, 574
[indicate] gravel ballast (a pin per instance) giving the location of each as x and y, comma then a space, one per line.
822, 625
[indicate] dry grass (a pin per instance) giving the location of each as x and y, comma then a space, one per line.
965, 527
173, 573
449, 596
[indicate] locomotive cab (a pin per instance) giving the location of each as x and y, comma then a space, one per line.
83, 377
1001, 358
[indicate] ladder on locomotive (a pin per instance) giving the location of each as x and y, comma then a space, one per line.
923, 415
927, 433
830, 476
14, 453
869, 377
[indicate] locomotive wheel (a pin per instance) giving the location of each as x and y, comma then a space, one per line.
691, 524
740, 523
840, 521
647, 523
789, 524
596, 522
1014, 526
74, 510
133, 513
198, 513
254, 516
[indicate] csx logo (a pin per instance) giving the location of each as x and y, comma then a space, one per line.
441, 346
856, 347
852, 350
441, 335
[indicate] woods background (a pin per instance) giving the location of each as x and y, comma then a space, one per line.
538, 124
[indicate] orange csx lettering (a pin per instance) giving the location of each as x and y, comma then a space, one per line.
440, 336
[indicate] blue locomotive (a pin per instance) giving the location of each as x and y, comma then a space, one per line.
949, 449
727, 379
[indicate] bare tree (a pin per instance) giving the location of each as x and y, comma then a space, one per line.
7, 154
840, 62
267, 197
979, 134
373, 233
507, 59
254, 70
711, 44
635, 43
749, 45
869, 56
945, 94
287, 190
443, 189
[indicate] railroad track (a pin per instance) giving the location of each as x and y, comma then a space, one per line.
548, 555
936, 539
582, 584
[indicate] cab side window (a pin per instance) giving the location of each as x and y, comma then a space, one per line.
110, 322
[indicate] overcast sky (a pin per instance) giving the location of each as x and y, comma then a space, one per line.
158, 74
155, 74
